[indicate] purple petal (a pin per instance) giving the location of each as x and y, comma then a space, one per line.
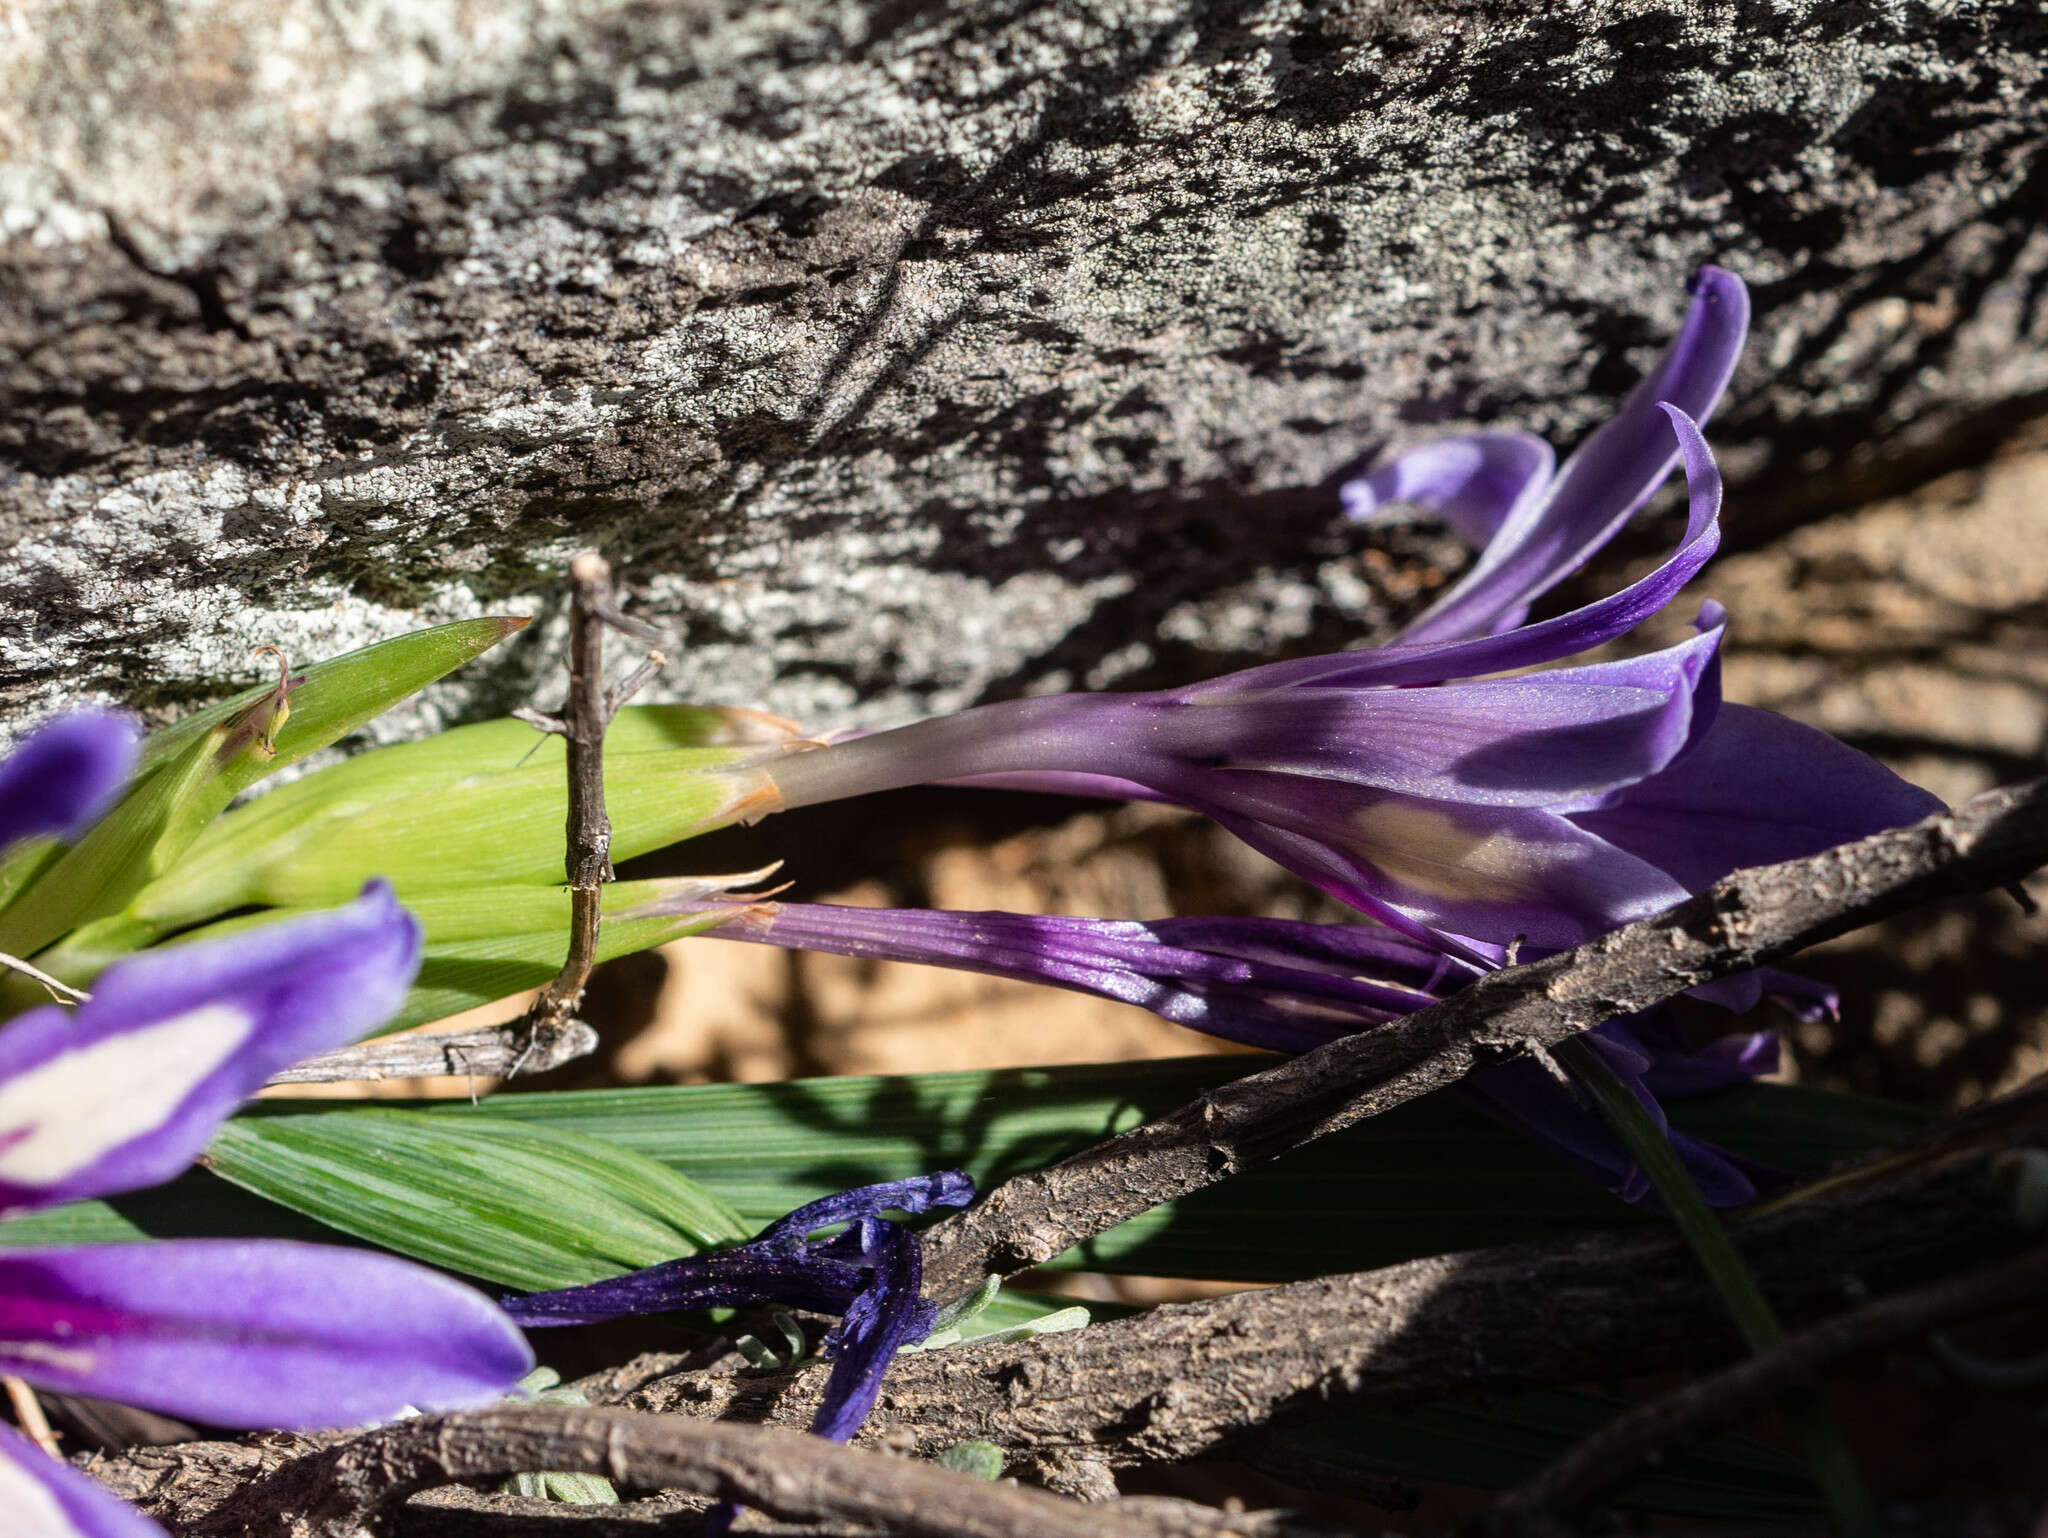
1540, 739
1266, 1000
1494, 873
1524, 1096
1805, 997
47, 1499
732, 1278
1475, 482
1413, 662
878, 1324
126, 1091
1613, 473
253, 1332
65, 775
1718, 1064
1758, 788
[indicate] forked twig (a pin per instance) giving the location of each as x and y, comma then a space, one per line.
585, 717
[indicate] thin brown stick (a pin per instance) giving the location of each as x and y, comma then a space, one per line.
1750, 917
587, 833
335, 1492
588, 830
496, 1051
1627, 1445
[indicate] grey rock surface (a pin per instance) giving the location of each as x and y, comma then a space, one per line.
903, 354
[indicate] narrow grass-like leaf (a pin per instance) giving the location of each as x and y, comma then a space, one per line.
528, 1207
334, 697
188, 773
1425, 1179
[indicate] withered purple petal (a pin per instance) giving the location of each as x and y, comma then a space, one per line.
1474, 482
724, 1278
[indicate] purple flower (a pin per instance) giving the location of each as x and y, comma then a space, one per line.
124, 1092
869, 1274
1424, 806
1287, 986
1410, 784
65, 775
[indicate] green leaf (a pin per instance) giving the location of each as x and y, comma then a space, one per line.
1426, 1179
117, 854
335, 697
189, 772
480, 805
1496, 1443
527, 1207
981, 1460
482, 944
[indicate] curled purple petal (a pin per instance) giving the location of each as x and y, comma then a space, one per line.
1539, 739
1523, 1095
1475, 482
126, 1091
1718, 1064
1613, 474
1491, 871
253, 1332
44, 1498
65, 774
1418, 662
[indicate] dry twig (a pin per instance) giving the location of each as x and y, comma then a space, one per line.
588, 830
1189, 1380
335, 1492
1629, 1444
490, 1051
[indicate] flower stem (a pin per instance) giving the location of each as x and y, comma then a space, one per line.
1827, 1452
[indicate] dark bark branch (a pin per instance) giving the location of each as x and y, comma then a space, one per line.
1750, 917
1626, 1446
336, 1491
499, 1051
1190, 1380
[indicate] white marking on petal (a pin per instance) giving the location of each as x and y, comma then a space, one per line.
64, 1358
62, 1116
32, 1512
1431, 851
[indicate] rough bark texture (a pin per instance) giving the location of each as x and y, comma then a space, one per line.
904, 353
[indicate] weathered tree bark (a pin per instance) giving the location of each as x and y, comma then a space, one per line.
901, 354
